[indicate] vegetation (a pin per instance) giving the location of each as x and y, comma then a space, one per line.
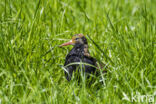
121, 33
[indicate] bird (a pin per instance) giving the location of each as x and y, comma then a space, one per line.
79, 54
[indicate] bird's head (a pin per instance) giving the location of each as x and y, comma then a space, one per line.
76, 39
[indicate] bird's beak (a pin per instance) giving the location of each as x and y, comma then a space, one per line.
68, 43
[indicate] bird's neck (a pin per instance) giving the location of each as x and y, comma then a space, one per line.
80, 49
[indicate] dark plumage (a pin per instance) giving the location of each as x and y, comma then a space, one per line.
79, 53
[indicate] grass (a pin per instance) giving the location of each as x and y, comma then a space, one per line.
121, 34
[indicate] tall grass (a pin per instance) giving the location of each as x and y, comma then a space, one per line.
121, 33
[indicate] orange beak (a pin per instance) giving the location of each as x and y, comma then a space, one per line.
68, 43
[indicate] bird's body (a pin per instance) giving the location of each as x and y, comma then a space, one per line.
79, 54
76, 55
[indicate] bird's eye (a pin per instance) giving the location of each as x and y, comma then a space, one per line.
76, 38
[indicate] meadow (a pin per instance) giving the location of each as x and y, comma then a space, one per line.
120, 33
